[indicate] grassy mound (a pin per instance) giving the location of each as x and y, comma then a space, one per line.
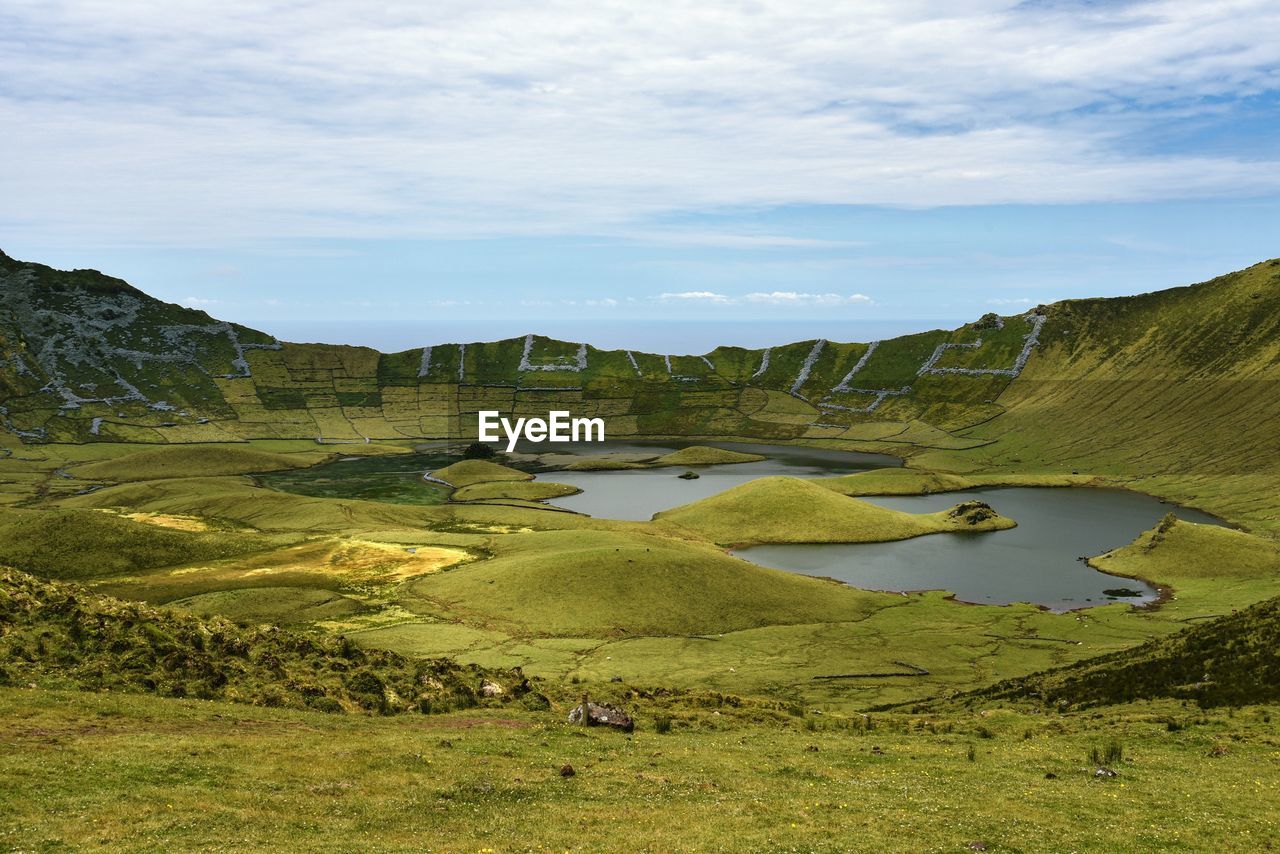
524, 490
1229, 661
791, 510
83, 544
1175, 550
468, 472
187, 461
701, 455
60, 635
695, 455
591, 583
606, 463
1197, 564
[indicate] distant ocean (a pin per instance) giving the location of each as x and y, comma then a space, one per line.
650, 336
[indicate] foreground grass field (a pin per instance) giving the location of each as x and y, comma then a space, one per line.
136, 773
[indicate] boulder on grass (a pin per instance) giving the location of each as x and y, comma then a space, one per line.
599, 715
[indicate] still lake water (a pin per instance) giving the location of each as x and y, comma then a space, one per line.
639, 493
1034, 562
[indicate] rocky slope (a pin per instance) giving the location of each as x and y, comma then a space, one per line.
86, 357
58, 634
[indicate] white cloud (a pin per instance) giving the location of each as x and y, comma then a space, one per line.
772, 298
607, 302
329, 119
728, 240
695, 296
793, 298
199, 302
1010, 301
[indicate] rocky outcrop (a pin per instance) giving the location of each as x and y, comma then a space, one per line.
602, 715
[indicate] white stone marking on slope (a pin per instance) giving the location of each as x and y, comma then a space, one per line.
1029, 342
807, 368
708, 362
462, 362
578, 364
764, 363
524, 354
667, 359
631, 357
844, 383
927, 367
880, 395
425, 365
239, 361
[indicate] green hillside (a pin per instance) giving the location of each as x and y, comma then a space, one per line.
183, 461
59, 635
584, 583
1177, 391
84, 357
1230, 661
83, 544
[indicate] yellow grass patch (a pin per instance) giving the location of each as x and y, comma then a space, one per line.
366, 556
362, 560
169, 520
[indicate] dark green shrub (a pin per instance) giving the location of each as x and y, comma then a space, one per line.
477, 451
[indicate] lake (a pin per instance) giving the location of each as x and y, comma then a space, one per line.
1035, 562
637, 494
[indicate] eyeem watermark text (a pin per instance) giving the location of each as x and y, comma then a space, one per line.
558, 426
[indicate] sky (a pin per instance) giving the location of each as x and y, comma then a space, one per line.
658, 175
